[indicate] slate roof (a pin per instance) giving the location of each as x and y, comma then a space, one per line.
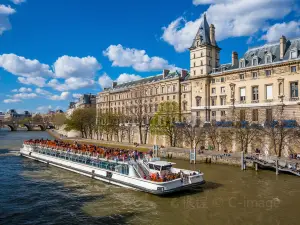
262, 51
202, 34
146, 80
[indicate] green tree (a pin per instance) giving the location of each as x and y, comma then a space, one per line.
163, 121
83, 120
37, 118
59, 119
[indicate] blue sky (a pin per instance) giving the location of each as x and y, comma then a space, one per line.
51, 51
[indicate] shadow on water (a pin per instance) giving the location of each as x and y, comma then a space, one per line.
196, 190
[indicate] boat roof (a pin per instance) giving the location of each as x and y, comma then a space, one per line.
162, 163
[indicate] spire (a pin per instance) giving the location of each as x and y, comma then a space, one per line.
203, 34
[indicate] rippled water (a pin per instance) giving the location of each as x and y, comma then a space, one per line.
32, 193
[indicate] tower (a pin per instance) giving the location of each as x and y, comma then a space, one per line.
204, 52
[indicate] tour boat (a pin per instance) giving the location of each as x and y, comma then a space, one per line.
134, 174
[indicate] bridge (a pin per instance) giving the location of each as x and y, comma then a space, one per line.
14, 125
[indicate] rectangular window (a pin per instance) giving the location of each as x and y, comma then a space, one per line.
223, 113
254, 75
255, 115
213, 101
222, 101
174, 88
269, 115
254, 62
242, 115
213, 113
213, 81
255, 93
222, 90
293, 69
184, 96
242, 94
194, 72
197, 114
268, 73
269, 92
242, 76
294, 90
162, 89
168, 98
174, 97
222, 79
213, 90
162, 98
293, 54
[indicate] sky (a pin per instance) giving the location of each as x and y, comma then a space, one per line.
53, 51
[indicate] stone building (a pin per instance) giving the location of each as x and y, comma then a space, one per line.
250, 88
85, 101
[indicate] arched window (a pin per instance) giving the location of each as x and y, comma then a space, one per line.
268, 58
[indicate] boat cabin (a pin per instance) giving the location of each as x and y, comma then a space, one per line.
161, 167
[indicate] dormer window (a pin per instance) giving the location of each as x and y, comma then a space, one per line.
255, 61
242, 63
268, 58
294, 54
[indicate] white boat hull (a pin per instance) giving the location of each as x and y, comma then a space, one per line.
157, 188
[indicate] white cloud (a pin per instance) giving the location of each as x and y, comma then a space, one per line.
124, 77
232, 18
24, 89
76, 95
5, 12
11, 100
290, 30
206, 2
42, 91
25, 96
14, 90
72, 83
67, 66
21, 66
62, 96
105, 81
44, 109
138, 59
38, 81
18, 2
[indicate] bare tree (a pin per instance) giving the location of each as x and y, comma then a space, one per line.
281, 131
194, 134
219, 135
138, 108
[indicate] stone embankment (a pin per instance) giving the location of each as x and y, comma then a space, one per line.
213, 157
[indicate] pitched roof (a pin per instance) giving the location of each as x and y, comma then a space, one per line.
202, 34
146, 80
261, 52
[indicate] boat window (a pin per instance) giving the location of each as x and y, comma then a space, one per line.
151, 166
166, 167
156, 167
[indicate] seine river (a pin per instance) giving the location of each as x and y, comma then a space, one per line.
32, 193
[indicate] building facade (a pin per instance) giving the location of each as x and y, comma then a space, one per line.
13, 115
85, 101
250, 88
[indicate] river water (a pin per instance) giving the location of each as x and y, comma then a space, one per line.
32, 193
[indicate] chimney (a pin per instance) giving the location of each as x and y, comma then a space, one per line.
165, 73
212, 35
114, 84
184, 73
282, 46
234, 59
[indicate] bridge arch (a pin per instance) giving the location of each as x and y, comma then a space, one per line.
43, 128
28, 127
12, 128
